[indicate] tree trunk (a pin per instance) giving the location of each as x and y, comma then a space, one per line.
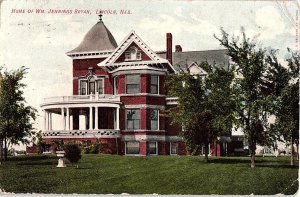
292, 151
1, 151
5, 149
252, 160
297, 151
206, 153
253, 148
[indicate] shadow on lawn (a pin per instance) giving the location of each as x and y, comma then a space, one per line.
30, 158
33, 163
229, 160
260, 162
287, 166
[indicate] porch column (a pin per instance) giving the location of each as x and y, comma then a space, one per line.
117, 118
91, 119
45, 120
50, 121
96, 118
68, 118
71, 122
63, 119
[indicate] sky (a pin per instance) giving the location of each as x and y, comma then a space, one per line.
40, 41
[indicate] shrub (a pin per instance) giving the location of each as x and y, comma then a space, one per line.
72, 152
88, 148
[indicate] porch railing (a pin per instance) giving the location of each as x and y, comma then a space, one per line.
92, 97
82, 133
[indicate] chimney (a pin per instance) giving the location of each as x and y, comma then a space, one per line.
178, 48
169, 47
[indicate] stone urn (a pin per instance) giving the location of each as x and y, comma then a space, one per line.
61, 162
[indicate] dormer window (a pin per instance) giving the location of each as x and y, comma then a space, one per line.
132, 54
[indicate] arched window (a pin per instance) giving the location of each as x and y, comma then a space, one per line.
132, 54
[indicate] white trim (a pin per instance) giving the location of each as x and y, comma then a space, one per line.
143, 130
100, 133
143, 106
173, 138
143, 94
147, 70
143, 137
90, 54
85, 105
171, 100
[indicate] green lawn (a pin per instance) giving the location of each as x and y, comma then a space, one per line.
102, 174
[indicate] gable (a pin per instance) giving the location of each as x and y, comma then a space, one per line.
144, 56
148, 57
195, 69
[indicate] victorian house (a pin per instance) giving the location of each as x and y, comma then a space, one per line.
119, 94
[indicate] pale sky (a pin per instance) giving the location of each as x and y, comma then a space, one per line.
40, 41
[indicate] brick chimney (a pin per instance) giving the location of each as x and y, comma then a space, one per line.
169, 47
178, 48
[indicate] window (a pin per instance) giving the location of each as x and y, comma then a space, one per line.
154, 119
91, 87
132, 84
116, 84
133, 119
153, 148
132, 148
83, 86
154, 84
173, 148
132, 54
100, 86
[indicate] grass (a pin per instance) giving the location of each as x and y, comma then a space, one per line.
102, 174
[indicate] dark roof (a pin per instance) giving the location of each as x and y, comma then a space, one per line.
98, 38
184, 59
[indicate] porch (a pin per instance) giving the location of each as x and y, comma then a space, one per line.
81, 116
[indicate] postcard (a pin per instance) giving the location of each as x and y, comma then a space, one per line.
118, 87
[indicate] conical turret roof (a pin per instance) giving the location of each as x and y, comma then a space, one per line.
98, 38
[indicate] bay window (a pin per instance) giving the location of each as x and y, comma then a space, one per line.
132, 84
133, 118
154, 84
154, 119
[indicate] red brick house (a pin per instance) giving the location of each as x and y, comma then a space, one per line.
119, 93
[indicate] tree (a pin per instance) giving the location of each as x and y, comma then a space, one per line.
251, 108
15, 116
204, 105
72, 152
284, 84
38, 141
